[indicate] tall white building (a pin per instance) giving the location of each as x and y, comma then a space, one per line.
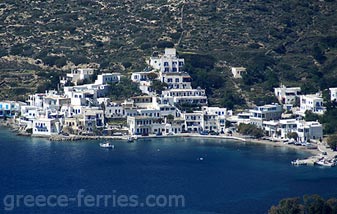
169, 62
287, 95
311, 102
333, 94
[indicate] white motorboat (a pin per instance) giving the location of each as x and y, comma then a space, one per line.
107, 145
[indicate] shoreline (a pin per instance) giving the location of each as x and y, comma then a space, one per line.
239, 138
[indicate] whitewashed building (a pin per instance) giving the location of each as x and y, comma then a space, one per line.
77, 75
182, 96
265, 113
238, 71
107, 78
193, 121
46, 126
309, 130
333, 94
168, 62
287, 96
311, 102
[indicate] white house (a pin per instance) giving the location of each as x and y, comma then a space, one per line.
140, 125
144, 101
46, 126
10, 108
238, 71
309, 130
169, 62
333, 94
215, 118
176, 80
243, 117
193, 121
77, 75
114, 110
180, 96
311, 102
265, 113
36, 100
287, 126
107, 78
287, 95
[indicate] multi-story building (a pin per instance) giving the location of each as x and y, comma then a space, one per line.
309, 130
311, 102
333, 94
185, 96
287, 96
193, 121
46, 126
265, 113
9, 109
176, 80
77, 75
107, 78
169, 62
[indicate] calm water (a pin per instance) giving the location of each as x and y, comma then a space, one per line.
231, 178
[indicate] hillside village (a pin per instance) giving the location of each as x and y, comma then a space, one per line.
86, 110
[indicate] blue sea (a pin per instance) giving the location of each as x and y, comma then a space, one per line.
213, 176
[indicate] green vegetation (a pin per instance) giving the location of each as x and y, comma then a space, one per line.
124, 89
293, 42
251, 130
311, 204
332, 142
292, 135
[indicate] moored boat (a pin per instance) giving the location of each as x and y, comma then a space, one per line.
107, 145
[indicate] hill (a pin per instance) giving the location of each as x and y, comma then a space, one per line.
293, 42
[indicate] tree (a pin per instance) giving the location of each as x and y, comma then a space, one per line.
250, 129
152, 76
287, 206
309, 116
170, 118
124, 89
332, 142
158, 86
292, 135
313, 204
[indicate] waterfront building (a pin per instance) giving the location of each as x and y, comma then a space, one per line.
114, 110
140, 125
264, 113
242, 117
193, 121
309, 130
287, 126
9, 109
46, 126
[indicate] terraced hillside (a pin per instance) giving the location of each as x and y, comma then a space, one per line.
290, 41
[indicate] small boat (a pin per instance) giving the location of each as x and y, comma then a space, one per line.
325, 163
130, 139
107, 145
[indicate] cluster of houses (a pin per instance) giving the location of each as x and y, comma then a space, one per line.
86, 109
